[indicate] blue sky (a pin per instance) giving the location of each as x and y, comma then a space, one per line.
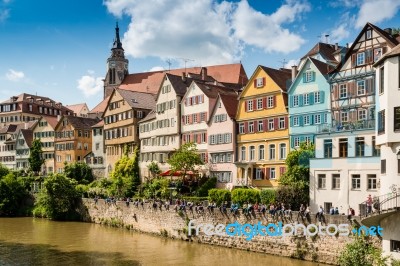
59, 48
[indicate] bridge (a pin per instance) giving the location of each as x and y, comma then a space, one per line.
383, 206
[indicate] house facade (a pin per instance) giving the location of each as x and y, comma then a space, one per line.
347, 145
263, 129
73, 140
22, 148
309, 102
96, 159
121, 123
222, 141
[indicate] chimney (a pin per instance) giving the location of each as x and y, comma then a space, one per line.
347, 45
294, 72
388, 30
183, 77
203, 73
336, 46
58, 117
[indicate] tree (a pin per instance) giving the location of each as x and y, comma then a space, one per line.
35, 156
185, 159
12, 195
153, 169
79, 171
59, 199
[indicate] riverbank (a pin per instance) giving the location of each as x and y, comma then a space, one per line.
173, 224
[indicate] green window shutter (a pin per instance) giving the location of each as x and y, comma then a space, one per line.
304, 77
300, 120
322, 96
290, 101
313, 76
301, 100
311, 98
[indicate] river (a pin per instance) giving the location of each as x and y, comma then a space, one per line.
33, 241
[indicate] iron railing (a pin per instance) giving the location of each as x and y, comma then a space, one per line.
346, 126
380, 204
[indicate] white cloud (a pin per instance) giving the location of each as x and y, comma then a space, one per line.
340, 33
14, 75
6, 1
157, 68
207, 31
375, 11
292, 62
90, 85
4, 14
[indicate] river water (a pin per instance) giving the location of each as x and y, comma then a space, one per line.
33, 241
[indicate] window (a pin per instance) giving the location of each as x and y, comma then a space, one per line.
362, 114
296, 121
251, 127
270, 124
296, 142
306, 120
306, 99
372, 183
361, 87
272, 151
394, 245
381, 80
383, 166
317, 97
202, 117
270, 101
259, 174
282, 151
250, 105
259, 82
308, 76
260, 125
381, 122
335, 181
344, 116
241, 128
317, 119
296, 100
360, 59
343, 147
259, 104
355, 181
272, 174
261, 152
360, 146
342, 91
327, 148
321, 181
368, 34
282, 123
252, 153
243, 154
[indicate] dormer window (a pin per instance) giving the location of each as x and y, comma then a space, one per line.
259, 82
368, 34
308, 76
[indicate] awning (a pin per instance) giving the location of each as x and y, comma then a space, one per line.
177, 173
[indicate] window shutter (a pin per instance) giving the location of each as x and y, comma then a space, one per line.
198, 138
311, 98
290, 101
255, 83
265, 125
291, 121
350, 88
254, 173
312, 119
301, 100
198, 117
353, 60
368, 56
286, 122
282, 170
263, 79
246, 127
321, 96
276, 123
254, 104
183, 119
300, 120
245, 106
313, 76
264, 100
274, 101
205, 116
336, 115
335, 89
190, 119
304, 77
353, 115
266, 172
292, 142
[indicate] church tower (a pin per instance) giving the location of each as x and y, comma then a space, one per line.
117, 66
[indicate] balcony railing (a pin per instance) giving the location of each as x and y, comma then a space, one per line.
346, 126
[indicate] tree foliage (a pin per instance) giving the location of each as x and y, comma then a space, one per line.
35, 156
157, 188
185, 159
154, 169
59, 199
268, 196
79, 171
243, 195
362, 252
12, 195
219, 195
210, 183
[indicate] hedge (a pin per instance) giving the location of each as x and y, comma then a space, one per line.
245, 195
268, 196
219, 195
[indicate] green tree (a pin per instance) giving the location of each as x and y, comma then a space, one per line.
157, 188
35, 156
268, 196
362, 252
243, 195
59, 199
153, 169
3, 171
219, 195
185, 159
79, 171
12, 195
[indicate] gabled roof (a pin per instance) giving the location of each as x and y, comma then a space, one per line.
52, 121
391, 42
212, 91
77, 108
78, 121
8, 129
395, 52
28, 136
281, 77
150, 116
179, 83
99, 124
25, 97
326, 50
138, 100
101, 107
231, 103
149, 82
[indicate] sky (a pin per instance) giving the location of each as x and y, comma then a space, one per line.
59, 49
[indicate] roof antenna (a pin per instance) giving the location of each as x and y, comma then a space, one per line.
326, 38
186, 60
283, 62
169, 62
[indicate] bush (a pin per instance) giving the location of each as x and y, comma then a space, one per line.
195, 199
82, 190
219, 195
209, 184
12, 195
157, 188
293, 195
242, 195
268, 196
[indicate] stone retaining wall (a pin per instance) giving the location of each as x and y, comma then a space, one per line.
171, 223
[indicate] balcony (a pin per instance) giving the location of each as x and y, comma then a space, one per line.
337, 127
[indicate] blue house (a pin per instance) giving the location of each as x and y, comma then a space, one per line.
309, 101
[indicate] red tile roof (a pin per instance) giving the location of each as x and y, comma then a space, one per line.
101, 107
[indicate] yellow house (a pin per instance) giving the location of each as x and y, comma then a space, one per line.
263, 129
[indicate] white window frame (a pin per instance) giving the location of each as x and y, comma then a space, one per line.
259, 172
250, 105
296, 121
306, 99
344, 117
261, 152
272, 151
270, 124
282, 151
241, 128
360, 59
308, 76
307, 120
362, 114
252, 153
259, 82
360, 87
272, 173
260, 126
296, 142
281, 123
317, 119
270, 101
251, 127
343, 91
259, 103
295, 100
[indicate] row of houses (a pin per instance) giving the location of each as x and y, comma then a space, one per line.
338, 97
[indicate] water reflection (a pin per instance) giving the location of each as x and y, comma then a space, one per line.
30, 241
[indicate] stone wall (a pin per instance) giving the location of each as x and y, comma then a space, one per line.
171, 223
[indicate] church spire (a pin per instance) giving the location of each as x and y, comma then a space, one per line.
117, 42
